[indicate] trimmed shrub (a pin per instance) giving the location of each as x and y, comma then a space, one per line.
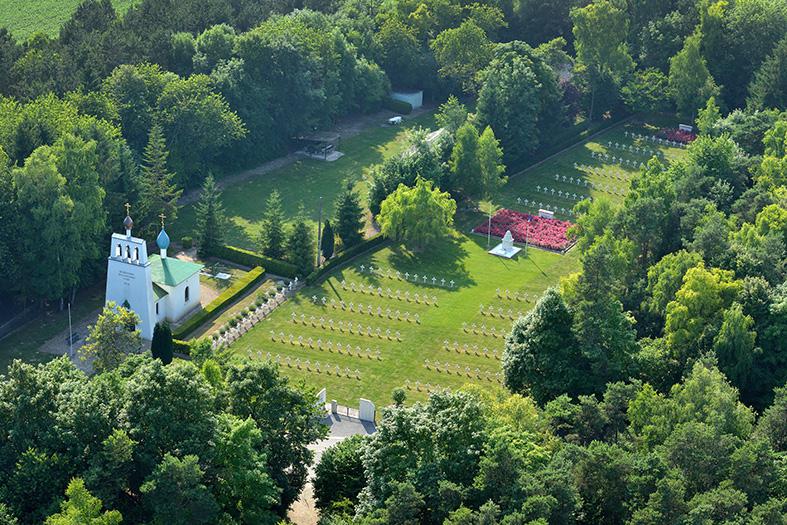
186, 242
346, 256
398, 106
181, 347
251, 259
220, 303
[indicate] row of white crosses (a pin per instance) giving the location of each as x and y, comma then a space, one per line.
389, 293
616, 160
655, 140
612, 174
369, 309
324, 345
635, 149
563, 194
426, 387
407, 276
483, 330
347, 327
470, 350
253, 317
449, 368
516, 296
492, 312
528, 202
316, 367
572, 180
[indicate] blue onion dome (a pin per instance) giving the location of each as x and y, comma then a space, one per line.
162, 240
128, 223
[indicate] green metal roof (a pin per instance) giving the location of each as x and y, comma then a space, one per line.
171, 271
159, 292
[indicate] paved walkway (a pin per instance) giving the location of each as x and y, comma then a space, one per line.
303, 511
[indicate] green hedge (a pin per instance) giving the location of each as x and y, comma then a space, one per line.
181, 347
220, 303
345, 256
398, 106
251, 259
565, 138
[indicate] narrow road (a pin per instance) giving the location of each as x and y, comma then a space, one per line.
303, 511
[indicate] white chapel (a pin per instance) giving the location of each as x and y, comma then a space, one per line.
156, 287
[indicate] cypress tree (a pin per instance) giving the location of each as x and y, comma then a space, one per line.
271, 240
349, 217
157, 190
328, 241
211, 220
161, 346
300, 246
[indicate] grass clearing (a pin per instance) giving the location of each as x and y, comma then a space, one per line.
304, 182
23, 18
611, 183
422, 354
461, 258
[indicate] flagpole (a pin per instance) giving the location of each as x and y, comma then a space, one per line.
70, 334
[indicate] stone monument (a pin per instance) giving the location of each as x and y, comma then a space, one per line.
506, 248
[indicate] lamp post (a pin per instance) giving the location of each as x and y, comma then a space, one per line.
319, 235
527, 233
70, 334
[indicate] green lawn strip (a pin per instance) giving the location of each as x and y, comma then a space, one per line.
524, 185
304, 182
24, 343
244, 301
46, 16
462, 258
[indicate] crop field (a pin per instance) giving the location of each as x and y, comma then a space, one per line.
25, 17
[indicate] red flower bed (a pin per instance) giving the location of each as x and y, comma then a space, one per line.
546, 233
676, 135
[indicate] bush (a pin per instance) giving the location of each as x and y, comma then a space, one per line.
220, 303
251, 259
186, 242
345, 256
398, 106
181, 347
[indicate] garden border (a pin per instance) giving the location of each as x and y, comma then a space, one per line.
220, 303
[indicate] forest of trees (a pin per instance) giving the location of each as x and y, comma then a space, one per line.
650, 387
156, 99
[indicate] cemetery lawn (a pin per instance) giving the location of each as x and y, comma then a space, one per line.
304, 182
461, 258
612, 183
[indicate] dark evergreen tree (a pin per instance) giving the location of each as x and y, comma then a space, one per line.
328, 241
161, 345
300, 246
349, 217
271, 240
542, 356
157, 190
211, 220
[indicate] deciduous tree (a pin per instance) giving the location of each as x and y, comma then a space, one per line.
417, 216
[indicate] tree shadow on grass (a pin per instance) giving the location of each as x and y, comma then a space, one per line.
443, 259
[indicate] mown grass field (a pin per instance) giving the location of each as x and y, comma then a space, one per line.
421, 361
25, 17
304, 182
461, 258
611, 180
